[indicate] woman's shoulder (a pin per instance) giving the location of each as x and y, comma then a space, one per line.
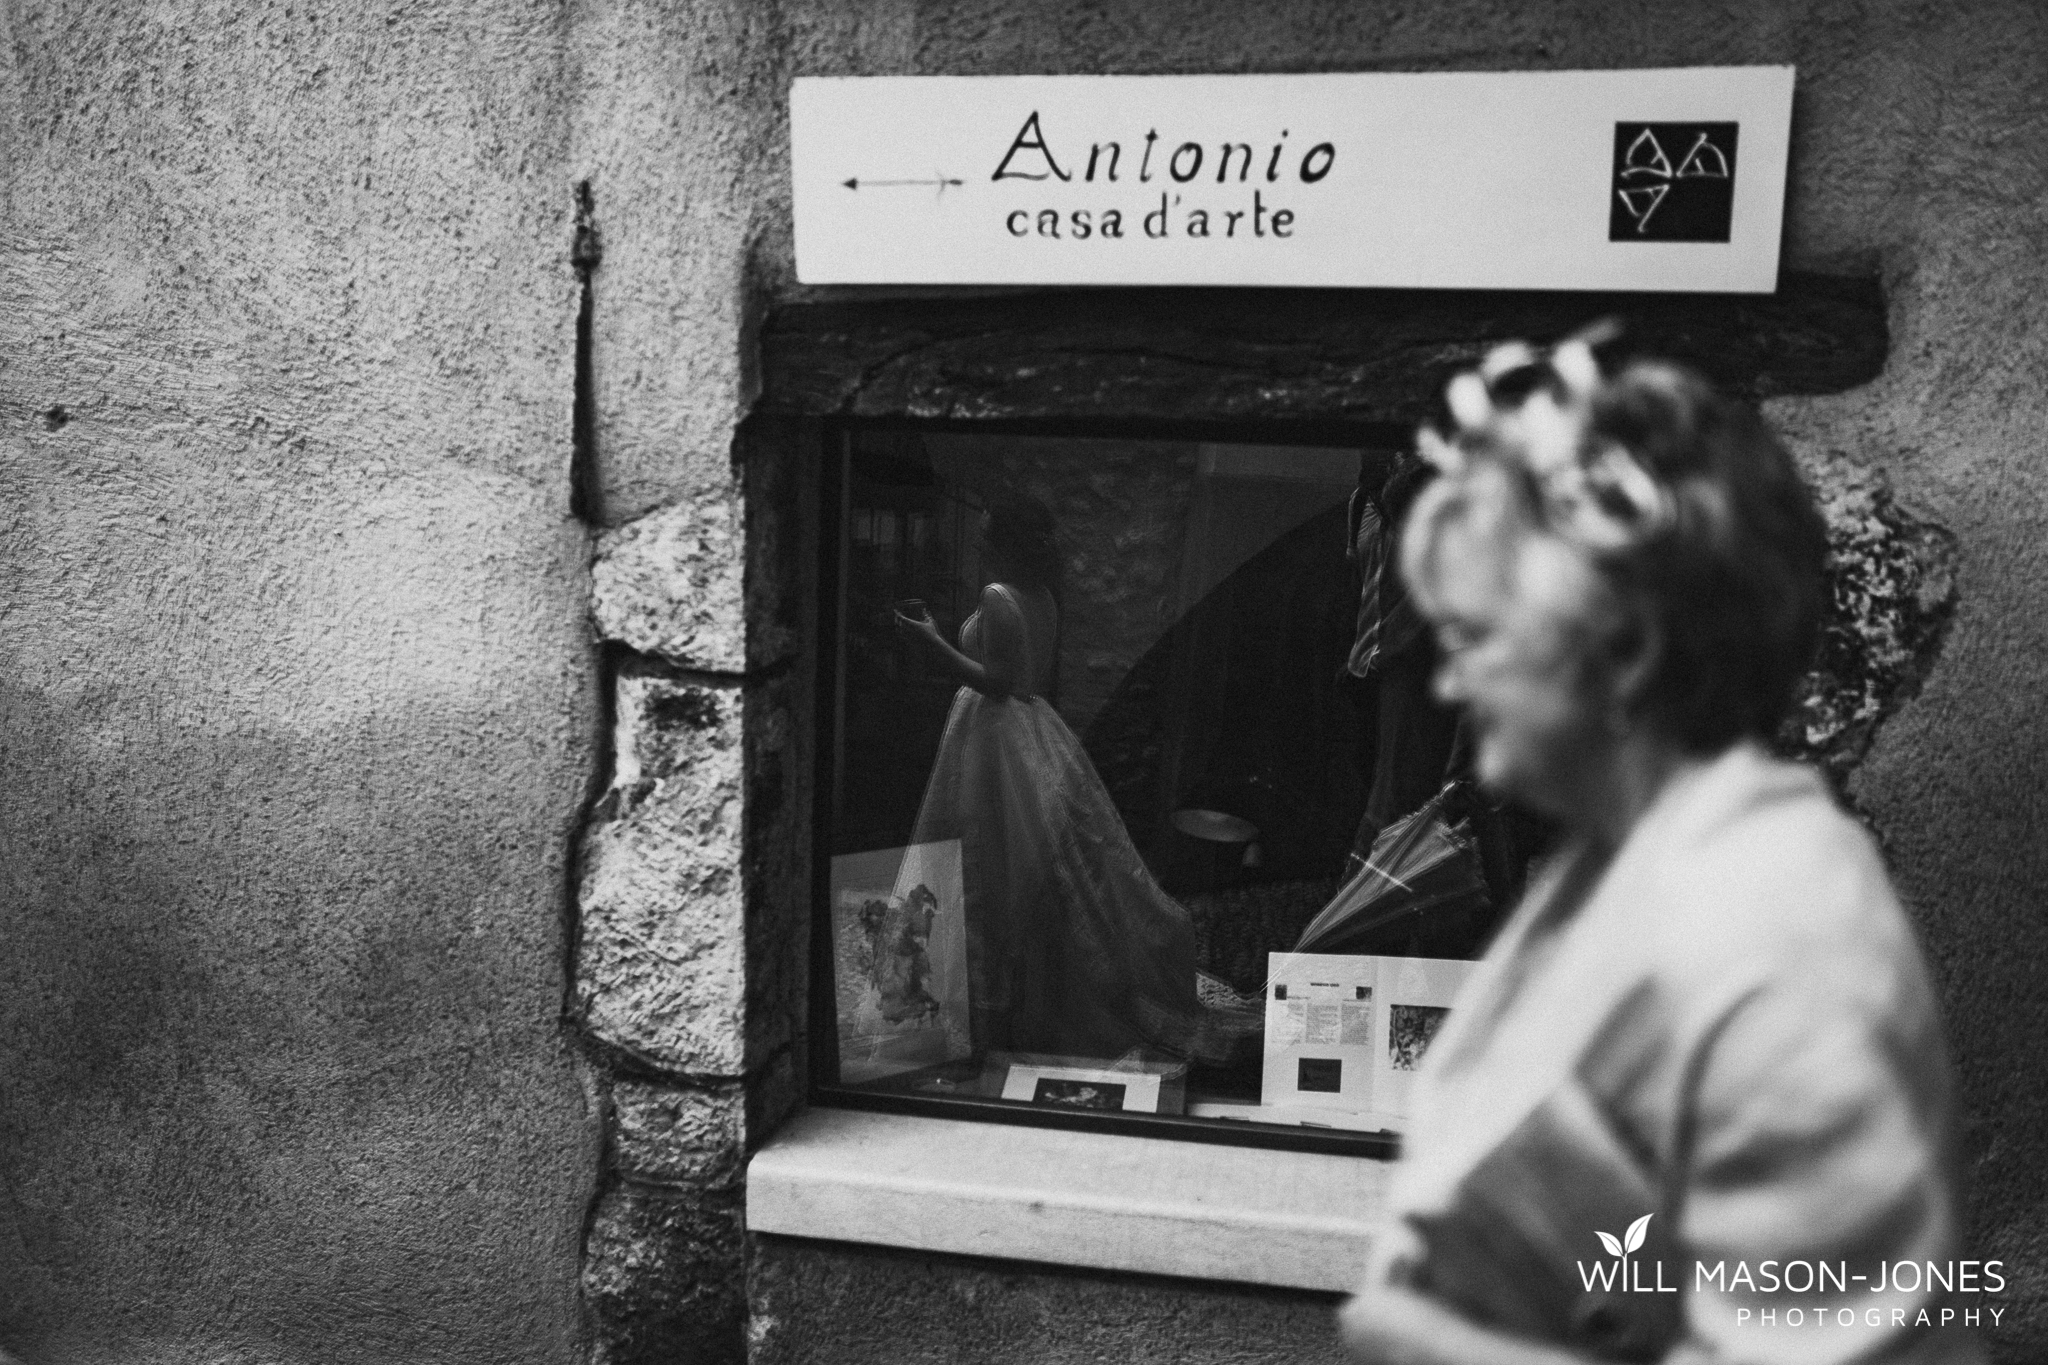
1761, 932
1002, 606
1018, 608
1765, 878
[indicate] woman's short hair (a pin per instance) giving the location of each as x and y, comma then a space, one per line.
1689, 509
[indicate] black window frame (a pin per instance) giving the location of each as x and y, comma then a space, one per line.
833, 462
1232, 365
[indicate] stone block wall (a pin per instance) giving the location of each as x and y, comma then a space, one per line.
693, 936
661, 987
688, 979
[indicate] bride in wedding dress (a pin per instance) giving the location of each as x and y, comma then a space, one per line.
1072, 946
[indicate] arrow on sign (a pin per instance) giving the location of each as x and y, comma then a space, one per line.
938, 178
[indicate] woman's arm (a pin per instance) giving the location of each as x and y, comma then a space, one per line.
994, 678
1818, 1121
1389, 1323
951, 660
1821, 1113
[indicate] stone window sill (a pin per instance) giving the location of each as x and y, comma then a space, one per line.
1300, 1220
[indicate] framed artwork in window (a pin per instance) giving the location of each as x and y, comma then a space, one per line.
900, 951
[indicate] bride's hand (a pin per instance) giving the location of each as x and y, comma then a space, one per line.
920, 628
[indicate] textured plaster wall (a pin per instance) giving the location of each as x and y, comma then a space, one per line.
296, 686
823, 1301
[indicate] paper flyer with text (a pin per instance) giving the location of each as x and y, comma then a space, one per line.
1345, 1033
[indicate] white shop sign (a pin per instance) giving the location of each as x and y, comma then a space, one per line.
1634, 180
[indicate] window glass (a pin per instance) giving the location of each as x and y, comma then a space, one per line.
1137, 796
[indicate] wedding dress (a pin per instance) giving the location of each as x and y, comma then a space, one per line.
1073, 948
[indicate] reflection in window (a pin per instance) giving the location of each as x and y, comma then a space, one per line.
1101, 753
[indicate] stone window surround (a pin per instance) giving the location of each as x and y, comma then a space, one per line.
693, 952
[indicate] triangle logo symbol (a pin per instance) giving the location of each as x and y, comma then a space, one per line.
1643, 202
1645, 156
1704, 161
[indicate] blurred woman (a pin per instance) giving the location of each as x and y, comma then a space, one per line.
1072, 947
1704, 1050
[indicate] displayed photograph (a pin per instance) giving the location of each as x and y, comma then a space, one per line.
1070, 1094
1417, 993
899, 953
1077, 1087
1409, 1029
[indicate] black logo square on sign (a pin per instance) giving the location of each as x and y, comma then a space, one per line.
1673, 182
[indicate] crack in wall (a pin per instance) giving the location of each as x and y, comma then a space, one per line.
586, 252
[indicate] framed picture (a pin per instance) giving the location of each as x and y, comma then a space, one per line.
900, 952
1123, 1087
1417, 994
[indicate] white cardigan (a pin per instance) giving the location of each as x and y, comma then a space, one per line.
1732, 1033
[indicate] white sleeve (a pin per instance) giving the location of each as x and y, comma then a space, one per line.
1818, 1160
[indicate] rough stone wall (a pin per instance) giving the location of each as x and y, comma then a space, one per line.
690, 966
297, 703
689, 981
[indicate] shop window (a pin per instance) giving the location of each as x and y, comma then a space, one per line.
1057, 874
1098, 763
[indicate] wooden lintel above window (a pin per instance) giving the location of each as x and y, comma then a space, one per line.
1259, 355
